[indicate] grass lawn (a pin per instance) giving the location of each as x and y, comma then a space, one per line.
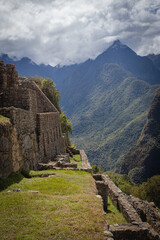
76, 159
113, 215
65, 207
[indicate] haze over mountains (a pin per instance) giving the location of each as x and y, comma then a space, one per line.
106, 99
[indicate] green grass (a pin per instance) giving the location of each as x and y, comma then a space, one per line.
65, 207
62, 183
113, 215
4, 120
76, 159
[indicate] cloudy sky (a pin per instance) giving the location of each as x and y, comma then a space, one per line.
67, 31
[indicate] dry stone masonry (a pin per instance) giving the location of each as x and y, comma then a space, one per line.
143, 218
34, 134
85, 163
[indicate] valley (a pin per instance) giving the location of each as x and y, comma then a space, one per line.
106, 99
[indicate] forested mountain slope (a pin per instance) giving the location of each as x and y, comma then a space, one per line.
106, 99
142, 161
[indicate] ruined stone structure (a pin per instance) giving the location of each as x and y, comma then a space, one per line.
34, 133
143, 218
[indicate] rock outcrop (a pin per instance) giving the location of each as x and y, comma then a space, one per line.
142, 161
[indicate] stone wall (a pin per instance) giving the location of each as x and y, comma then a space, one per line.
49, 136
8, 76
43, 103
85, 163
18, 98
138, 231
143, 218
147, 212
5, 149
121, 203
24, 150
102, 188
34, 134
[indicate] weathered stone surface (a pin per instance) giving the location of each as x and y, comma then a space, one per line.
45, 166
143, 217
73, 150
31, 191
34, 134
133, 232
120, 201
108, 233
85, 163
147, 212
102, 188
8, 76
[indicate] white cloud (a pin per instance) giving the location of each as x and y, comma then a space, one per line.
65, 31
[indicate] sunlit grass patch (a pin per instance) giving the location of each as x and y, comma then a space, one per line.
76, 159
65, 207
62, 183
113, 215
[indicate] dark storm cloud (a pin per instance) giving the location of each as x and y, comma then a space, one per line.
66, 31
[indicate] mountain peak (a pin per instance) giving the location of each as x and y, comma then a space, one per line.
117, 44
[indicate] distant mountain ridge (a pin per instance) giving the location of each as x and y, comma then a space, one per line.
107, 100
145, 68
155, 59
142, 67
142, 161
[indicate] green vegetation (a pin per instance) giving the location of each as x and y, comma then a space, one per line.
4, 120
110, 114
65, 207
48, 87
76, 159
149, 190
96, 169
113, 215
122, 181
142, 160
65, 123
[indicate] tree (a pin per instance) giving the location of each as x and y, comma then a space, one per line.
97, 169
150, 190
49, 89
38, 80
65, 124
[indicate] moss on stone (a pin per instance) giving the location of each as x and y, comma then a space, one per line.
4, 120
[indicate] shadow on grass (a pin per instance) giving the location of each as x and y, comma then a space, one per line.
13, 178
108, 211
